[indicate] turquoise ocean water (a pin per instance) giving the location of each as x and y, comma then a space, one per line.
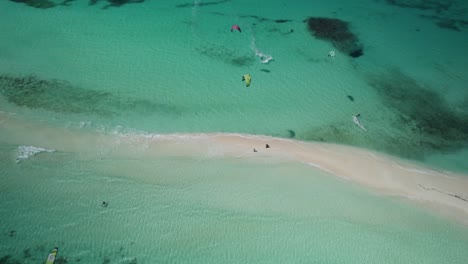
174, 66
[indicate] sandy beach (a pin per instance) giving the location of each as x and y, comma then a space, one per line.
443, 193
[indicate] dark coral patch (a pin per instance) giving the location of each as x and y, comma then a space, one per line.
445, 14
423, 113
202, 3
282, 20
230, 56
435, 5
43, 4
115, 3
9, 260
420, 121
60, 96
337, 32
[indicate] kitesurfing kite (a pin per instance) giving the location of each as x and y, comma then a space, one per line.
247, 79
235, 27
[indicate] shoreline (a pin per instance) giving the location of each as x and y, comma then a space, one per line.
443, 193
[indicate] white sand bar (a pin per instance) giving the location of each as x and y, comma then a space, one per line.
443, 192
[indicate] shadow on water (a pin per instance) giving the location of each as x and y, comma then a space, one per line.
60, 96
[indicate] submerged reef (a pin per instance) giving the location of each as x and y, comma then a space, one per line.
115, 3
63, 97
7, 259
201, 3
432, 120
436, 5
230, 56
337, 32
446, 14
420, 121
257, 18
43, 4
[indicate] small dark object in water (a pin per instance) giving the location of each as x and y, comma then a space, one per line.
104, 204
27, 253
267, 146
350, 97
255, 150
291, 30
12, 233
265, 70
356, 53
77, 259
292, 134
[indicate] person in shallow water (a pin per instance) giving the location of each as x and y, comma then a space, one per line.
267, 146
104, 204
235, 27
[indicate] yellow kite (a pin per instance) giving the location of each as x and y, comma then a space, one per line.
247, 78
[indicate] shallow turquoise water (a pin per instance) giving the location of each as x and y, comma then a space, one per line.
174, 66
209, 211
163, 66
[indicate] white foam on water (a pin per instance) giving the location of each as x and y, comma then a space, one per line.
358, 123
264, 58
26, 152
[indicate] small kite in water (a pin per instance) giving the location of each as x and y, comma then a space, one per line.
247, 79
235, 27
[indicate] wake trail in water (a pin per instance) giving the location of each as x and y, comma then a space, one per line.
194, 22
26, 152
264, 58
